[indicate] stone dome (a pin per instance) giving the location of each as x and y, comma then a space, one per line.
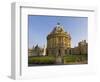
58, 28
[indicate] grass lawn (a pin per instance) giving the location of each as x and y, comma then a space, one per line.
68, 59
75, 59
41, 60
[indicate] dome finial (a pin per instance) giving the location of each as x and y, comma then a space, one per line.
58, 23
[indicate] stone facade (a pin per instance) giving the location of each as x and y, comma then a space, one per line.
37, 51
29, 52
58, 41
82, 48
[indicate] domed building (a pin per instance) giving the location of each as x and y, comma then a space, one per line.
58, 41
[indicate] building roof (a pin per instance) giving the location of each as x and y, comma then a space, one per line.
58, 28
58, 31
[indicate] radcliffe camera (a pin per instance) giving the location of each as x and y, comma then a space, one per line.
57, 40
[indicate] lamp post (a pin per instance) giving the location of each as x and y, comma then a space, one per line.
59, 54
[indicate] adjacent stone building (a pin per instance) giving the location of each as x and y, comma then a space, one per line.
29, 52
81, 49
58, 41
37, 51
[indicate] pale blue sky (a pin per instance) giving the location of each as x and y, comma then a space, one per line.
40, 26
